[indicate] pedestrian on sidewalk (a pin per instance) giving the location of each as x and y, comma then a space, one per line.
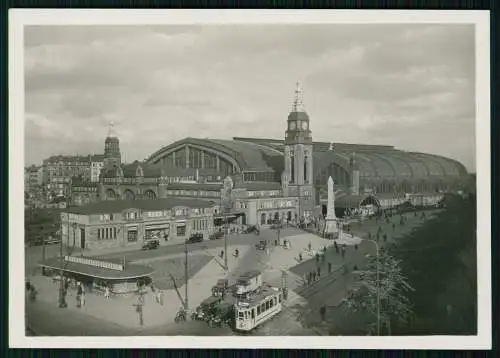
309, 246
317, 257
106, 292
319, 271
356, 247
221, 254
309, 278
329, 267
79, 296
300, 256
322, 312
314, 275
82, 297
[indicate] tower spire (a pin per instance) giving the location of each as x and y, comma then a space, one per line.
111, 129
298, 102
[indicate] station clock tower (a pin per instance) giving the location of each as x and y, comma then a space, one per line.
297, 180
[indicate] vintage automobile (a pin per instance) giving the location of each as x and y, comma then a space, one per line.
261, 245
204, 310
251, 229
151, 245
221, 315
216, 235
196, 237
220, 288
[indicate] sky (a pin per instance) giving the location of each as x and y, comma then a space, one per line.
411, 86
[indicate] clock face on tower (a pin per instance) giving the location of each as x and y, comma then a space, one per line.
293, 125
304, 125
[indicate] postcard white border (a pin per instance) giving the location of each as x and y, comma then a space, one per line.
18, 18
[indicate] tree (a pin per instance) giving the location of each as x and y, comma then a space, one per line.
439, 260
394, 305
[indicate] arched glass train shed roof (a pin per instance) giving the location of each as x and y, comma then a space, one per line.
375, 162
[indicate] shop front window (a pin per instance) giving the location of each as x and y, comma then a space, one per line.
181, 230
132, 235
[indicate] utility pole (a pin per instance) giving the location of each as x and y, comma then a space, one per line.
225, 240
62, 298
186, 302
43, 255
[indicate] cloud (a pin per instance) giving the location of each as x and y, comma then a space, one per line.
380, 84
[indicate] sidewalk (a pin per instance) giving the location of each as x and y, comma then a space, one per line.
333, 293
47, 319
120, 310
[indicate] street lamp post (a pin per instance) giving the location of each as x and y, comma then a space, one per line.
62, 298
186, 304
225, 239
378, 284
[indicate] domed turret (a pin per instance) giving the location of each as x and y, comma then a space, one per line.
298, 121
112, 155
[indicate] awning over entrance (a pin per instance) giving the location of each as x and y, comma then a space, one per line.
130, 271
230, 217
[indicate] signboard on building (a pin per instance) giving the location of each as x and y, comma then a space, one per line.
93, 262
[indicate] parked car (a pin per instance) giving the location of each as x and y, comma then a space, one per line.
261, 245
250, 229
151, 245
216, 235
196, 237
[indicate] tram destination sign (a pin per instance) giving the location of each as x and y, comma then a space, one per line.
93, 262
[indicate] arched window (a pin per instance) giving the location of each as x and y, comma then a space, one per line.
110, 194
263, 219
292, 168
149, 195
128, 195
305, 169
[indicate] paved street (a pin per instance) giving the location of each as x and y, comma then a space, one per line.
300, 311
46, 319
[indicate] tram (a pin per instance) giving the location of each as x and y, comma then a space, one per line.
257, 308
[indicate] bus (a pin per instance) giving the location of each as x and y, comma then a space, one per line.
258, 308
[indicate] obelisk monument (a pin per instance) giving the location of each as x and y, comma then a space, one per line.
331, 219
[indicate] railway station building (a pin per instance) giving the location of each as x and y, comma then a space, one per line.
282, 179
